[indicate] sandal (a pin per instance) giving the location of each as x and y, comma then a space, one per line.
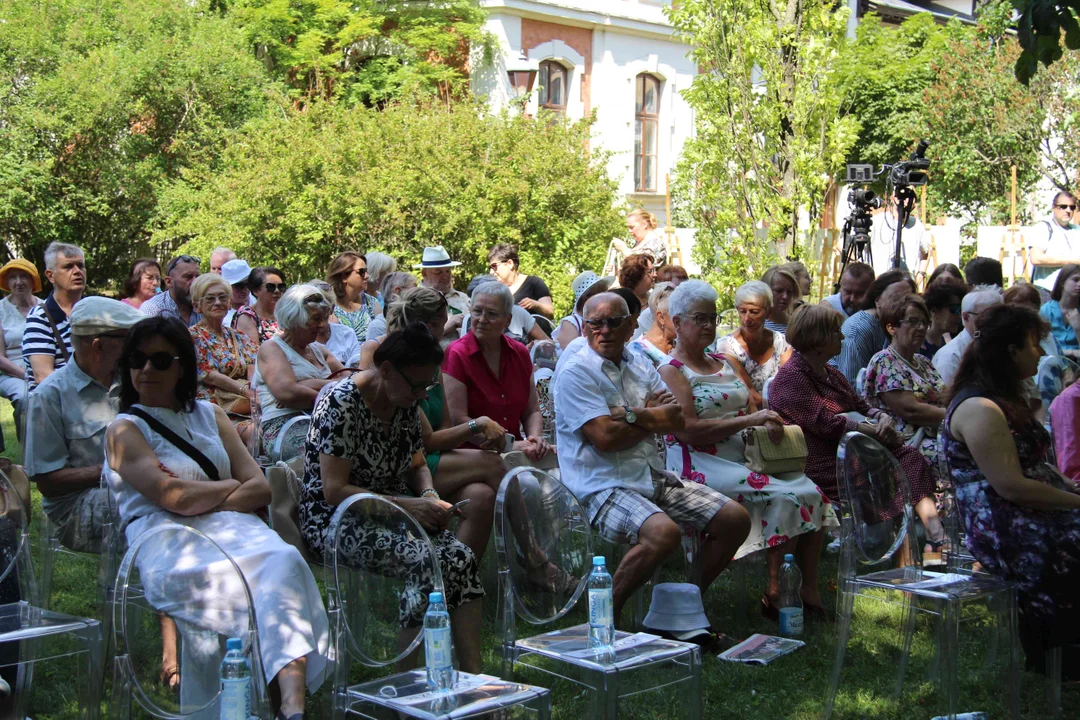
550, 578
170, 678
934, 557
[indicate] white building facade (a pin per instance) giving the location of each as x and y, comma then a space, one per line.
617, 58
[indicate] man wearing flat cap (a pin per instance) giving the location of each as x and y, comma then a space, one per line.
68, 415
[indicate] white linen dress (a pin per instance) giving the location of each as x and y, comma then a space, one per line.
205, 592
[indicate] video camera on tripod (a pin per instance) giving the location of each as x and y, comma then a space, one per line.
902, 177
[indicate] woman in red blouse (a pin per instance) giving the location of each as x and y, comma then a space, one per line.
808, 392
486, 373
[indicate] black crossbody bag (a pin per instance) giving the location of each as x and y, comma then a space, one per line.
188, 449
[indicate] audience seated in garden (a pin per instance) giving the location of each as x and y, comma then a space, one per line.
944, 301
46, 344
258, 321
854, 284
584, 286
531, 293
176, 300
437, 271
947, 359
759, 351
1062, 312
353, 307
864, 335
20, 279
786, 296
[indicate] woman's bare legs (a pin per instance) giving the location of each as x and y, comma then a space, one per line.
170, 666
472, 475
808, 556
465, 622
291, 682
926, 509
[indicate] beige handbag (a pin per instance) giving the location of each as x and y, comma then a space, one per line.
769, 458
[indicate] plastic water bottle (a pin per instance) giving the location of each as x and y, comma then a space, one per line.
791, 610
437, 645
601, 606
235, 682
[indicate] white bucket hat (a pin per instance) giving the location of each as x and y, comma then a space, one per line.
235, 271
436, 257
677, 608
586, 281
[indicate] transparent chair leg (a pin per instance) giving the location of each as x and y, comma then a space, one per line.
49, 546
120, 704
950, 621
1053, 681
692, 696
606, 698
1012, 645
847, 598
90, 673
907, 629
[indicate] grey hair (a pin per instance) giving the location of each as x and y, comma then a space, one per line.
660, 297
754, 291
392, 280
688, 294
981, 297
296, 307
497, 290
220, 250
326, 289
59, 248
378, 265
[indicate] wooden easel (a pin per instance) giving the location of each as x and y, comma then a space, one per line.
674, 248
1013, 240
931, 253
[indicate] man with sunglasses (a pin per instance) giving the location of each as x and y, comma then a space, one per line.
176, 302
610, 404
1055, 242
67, 418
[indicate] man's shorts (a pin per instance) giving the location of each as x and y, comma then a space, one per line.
618, 514
80, 529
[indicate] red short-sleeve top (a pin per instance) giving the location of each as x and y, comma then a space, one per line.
503, 398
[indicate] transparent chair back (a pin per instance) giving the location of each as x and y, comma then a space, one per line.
289, 443
15, 559
255, 443
1056, 373
174, 571
545, 354
876, 509
729, 322
381, 565
544, 547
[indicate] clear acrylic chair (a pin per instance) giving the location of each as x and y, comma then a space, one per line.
367, 605
40, 635
877, 530
292, 436
206, 595
539, 523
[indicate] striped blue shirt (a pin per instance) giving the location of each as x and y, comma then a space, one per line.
864, 337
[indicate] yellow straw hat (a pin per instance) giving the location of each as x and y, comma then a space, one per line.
19, 264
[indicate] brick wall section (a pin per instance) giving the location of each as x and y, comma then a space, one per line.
535, 32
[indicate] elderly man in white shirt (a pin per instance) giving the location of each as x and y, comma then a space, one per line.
947, 359
609, 405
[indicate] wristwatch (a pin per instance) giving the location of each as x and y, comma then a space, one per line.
631, 416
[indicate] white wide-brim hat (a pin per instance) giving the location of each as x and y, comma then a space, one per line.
676, 607
587, 281
436, 257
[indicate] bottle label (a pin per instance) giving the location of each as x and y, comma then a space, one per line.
235, 698
437, 648
791, 621
600, 610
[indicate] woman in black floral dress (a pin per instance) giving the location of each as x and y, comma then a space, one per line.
1021, 516
365, 436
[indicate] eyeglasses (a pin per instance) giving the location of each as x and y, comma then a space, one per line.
612, 323
1065, 207
476, 314
705, 319
160, 360
362, 272
418, 387
276, 287
181, 259
216, 299
915, 322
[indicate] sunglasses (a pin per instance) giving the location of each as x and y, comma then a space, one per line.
418, 387
181, 259
611, 323
276, 287
160, 360
1065, 207
362, 272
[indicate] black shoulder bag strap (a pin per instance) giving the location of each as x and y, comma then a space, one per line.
188, 449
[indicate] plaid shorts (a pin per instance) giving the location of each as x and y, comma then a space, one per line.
618, 514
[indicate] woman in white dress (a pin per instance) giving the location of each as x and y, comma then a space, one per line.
789, 513
759, 350
157, 483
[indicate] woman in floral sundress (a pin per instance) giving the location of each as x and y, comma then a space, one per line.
905, 385
789, 512
1021, 517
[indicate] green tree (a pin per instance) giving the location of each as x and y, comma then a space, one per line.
366, 51
296, 188
768, 131
102, 103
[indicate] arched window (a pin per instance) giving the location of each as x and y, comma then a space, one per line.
553, 86
646, 127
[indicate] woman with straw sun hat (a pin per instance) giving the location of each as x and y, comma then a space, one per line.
20, 279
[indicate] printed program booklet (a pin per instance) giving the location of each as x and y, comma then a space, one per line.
761, 649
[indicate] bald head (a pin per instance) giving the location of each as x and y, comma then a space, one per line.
607, 325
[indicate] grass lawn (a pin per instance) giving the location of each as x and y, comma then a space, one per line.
792, 687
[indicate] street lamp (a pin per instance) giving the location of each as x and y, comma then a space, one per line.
522, 74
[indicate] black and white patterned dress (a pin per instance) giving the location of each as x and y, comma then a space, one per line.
344, 426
